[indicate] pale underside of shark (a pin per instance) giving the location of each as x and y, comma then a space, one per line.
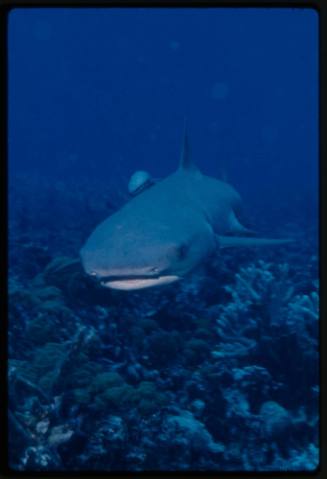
166, 231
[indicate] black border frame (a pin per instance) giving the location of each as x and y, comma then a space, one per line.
321, 7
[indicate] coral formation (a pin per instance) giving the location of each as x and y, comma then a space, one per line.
189, 377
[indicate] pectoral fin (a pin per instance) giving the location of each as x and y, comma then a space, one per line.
237, 241
236, 227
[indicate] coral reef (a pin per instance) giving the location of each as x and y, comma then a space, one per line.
218, 372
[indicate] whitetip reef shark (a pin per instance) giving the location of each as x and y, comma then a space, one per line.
166, 231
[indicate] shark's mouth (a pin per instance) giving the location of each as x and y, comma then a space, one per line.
130, 283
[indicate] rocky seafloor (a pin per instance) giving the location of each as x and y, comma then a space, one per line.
218, 372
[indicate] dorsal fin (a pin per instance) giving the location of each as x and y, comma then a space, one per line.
186, 163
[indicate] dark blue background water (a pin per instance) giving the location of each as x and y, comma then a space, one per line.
91, 89
220, 370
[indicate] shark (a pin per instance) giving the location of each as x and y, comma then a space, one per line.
168, 230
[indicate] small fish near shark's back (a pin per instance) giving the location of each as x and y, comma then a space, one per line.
167, 230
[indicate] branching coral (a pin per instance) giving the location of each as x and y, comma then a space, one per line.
263, 298
303, 318
261, 284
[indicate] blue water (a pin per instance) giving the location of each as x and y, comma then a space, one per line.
218, 372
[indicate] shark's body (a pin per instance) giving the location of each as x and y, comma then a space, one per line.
166, 231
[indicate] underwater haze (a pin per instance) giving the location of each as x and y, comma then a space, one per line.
216, 367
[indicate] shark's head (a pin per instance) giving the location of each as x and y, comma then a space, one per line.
155, 239
126, 258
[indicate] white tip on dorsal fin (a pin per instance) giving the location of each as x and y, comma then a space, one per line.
186, 163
